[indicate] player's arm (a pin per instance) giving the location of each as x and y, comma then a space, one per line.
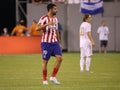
58, 36
41, 27
90, 38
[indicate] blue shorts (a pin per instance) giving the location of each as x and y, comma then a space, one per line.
50, 49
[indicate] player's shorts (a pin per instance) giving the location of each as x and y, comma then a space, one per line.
103, 43
86, 51
50, 49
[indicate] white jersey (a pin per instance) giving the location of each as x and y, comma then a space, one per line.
103, 32
84, 28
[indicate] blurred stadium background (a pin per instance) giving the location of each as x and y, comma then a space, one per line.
69, 16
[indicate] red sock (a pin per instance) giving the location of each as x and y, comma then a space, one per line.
44, 75
55, 70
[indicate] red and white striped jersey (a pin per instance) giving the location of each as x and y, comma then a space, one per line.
49, 32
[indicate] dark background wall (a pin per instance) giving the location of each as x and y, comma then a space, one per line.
7, 15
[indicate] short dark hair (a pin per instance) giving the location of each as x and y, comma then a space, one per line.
50, 6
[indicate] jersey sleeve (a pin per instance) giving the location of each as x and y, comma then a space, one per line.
41, 21
55, 20
56, 23
89, 28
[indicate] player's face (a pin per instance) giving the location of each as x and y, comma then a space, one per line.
90, 18
103, 23
54, 10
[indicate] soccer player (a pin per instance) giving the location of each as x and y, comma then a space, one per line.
86, 43
50, 42
103, 32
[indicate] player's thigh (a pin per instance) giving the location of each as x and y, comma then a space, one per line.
46, 51
57, 50
82, 52
88, 50
59, 58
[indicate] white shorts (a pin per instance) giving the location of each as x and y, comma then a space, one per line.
86, 51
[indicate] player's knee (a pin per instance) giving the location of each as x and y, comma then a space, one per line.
88, 57
45, 62
60, 59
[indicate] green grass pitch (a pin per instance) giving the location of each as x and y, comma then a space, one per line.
23, 72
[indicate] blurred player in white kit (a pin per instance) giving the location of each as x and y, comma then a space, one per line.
86, 43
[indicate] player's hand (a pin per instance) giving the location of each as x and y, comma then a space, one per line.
50, 23
93, 44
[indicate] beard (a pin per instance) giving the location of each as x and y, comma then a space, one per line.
54, 13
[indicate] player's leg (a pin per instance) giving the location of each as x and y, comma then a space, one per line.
105, 50
45, 56
82, 64
88, 62
82, 57
105, 46
88, 57
100, 46
44, 71
55, 69
58, 55
57, 65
